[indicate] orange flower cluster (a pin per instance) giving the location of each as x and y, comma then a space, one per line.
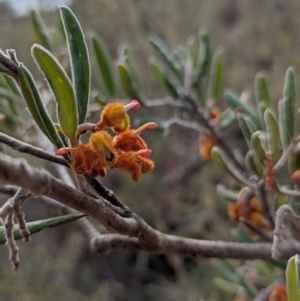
126, 150
206, 143
279, 293
251, 211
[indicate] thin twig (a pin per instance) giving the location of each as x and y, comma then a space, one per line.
108, 195
261, 193
281, 213
286, 155
11, 243
32, 150
20, 197
203, 120
187, 124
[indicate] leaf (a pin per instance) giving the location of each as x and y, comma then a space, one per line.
163, 80
288, 106
80, 63
227, 118
253, 163
104, 64
226, 193
273, 136
13, 85
166, 56
293, 278
257, 146
233, 100
190, 48
41, 31
37, 226
127, 83
61, 87
246, 126
203, 58
216, 75
222, 161
36, 107
262, 93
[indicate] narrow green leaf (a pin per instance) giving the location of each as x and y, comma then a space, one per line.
226, 193
222, 161
41, 31
227, 118
104, 64
288, 106
61, 87
216, 75
127, 83
273, 136
12, 85
293, 278
253, 164
233, 100
127, 59
37, 226
262, 93
226, 286
100, 99
163, 80
166, 56
257, 146
190, 49
246, 126
36, 107
80, 63
203, 58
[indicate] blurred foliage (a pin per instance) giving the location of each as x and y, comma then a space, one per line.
261, 35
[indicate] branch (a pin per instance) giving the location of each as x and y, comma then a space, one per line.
136, 234
32, 150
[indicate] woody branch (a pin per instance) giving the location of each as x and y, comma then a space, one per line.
131, 233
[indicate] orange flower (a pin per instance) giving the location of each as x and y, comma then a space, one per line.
206, 143
130, 140
251, 211
135, 163
279, 293
114, 115
101, 143
126, 151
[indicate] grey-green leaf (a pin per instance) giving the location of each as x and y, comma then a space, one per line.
293, 278
258, 146
37, 226
216, 75
104, 64
233, 100
222, 161
36, 107
203, 59
163, 80
41, 31
262, 93
273, 136
127, 85
166, 55
80, 63
62, 89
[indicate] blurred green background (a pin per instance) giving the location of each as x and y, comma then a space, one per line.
58, 265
